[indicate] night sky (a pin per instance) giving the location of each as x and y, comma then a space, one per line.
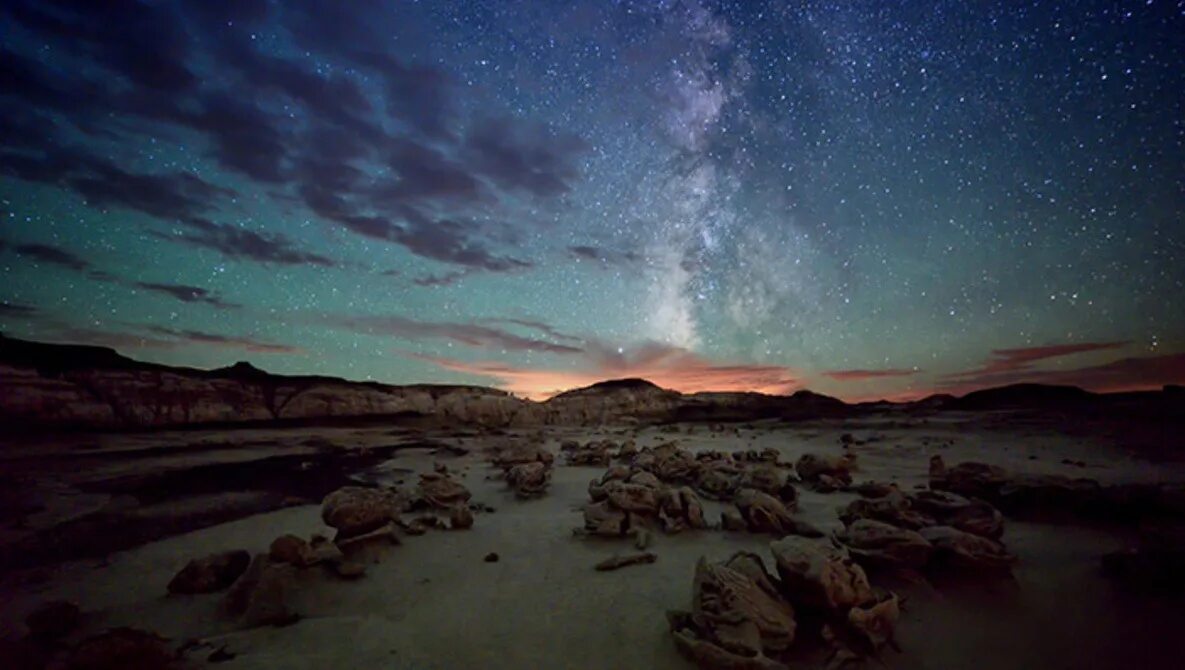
865, 199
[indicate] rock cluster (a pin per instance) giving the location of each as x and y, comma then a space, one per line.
923, 529
826, 473
743, 617
526, 468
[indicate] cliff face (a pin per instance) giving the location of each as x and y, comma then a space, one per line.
51, 386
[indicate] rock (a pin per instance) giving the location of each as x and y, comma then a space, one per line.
603, 519
627, 451
356, 510
819, 576
53, 619
824, 473
643, 478
764, 513
674, 465
259, 597
876, 620
385, 535
321, 550
442, 491
349, 569
292, 550
716, 483
212, 573
732, 521
596, 487
460, 517
123, 649
522, 454
491, 557
641, 538
894, 509
529, 480
617, 562
966, 550
591, 454
874, 489
877, 543
769, 479
738, 619
679, 509
634, 498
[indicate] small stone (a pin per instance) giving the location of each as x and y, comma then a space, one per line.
349, 569
617, 562
491, 557
460, 518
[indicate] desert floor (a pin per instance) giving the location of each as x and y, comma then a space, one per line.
432, 602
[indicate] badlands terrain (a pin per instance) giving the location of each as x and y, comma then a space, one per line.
243, 520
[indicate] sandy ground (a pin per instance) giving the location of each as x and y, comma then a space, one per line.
433, 603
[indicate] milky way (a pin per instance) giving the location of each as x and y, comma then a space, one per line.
865, 199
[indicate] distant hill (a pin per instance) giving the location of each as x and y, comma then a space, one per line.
53, 386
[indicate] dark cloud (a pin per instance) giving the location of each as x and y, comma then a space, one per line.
468, 334
1002, 364
539, 326
527, 157
16, 310
392, 166
144, 42
192, 294
228, 341
604, 255
865, 375
243, 244
45, 253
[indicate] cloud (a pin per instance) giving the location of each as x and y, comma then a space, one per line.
1004, 364
467, 334
668, 367
864, 375
539, 326
1016, 366
186, 336
16, 310
524, 157
45, 253
240, 243
184, 293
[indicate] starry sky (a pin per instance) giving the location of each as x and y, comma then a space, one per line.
866, 199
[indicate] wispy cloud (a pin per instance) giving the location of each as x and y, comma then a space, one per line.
865, 375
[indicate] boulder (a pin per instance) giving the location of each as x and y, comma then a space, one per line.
738, 618
522, 454
260, 596
716, 483
442, 491
825, 473
764, 513
292, 550
635, 498
966, 550
356, 510
769, 479
460, 517
602, 518
680, 509
880, 544
894, 509
212, 573
529, 480
819, 576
